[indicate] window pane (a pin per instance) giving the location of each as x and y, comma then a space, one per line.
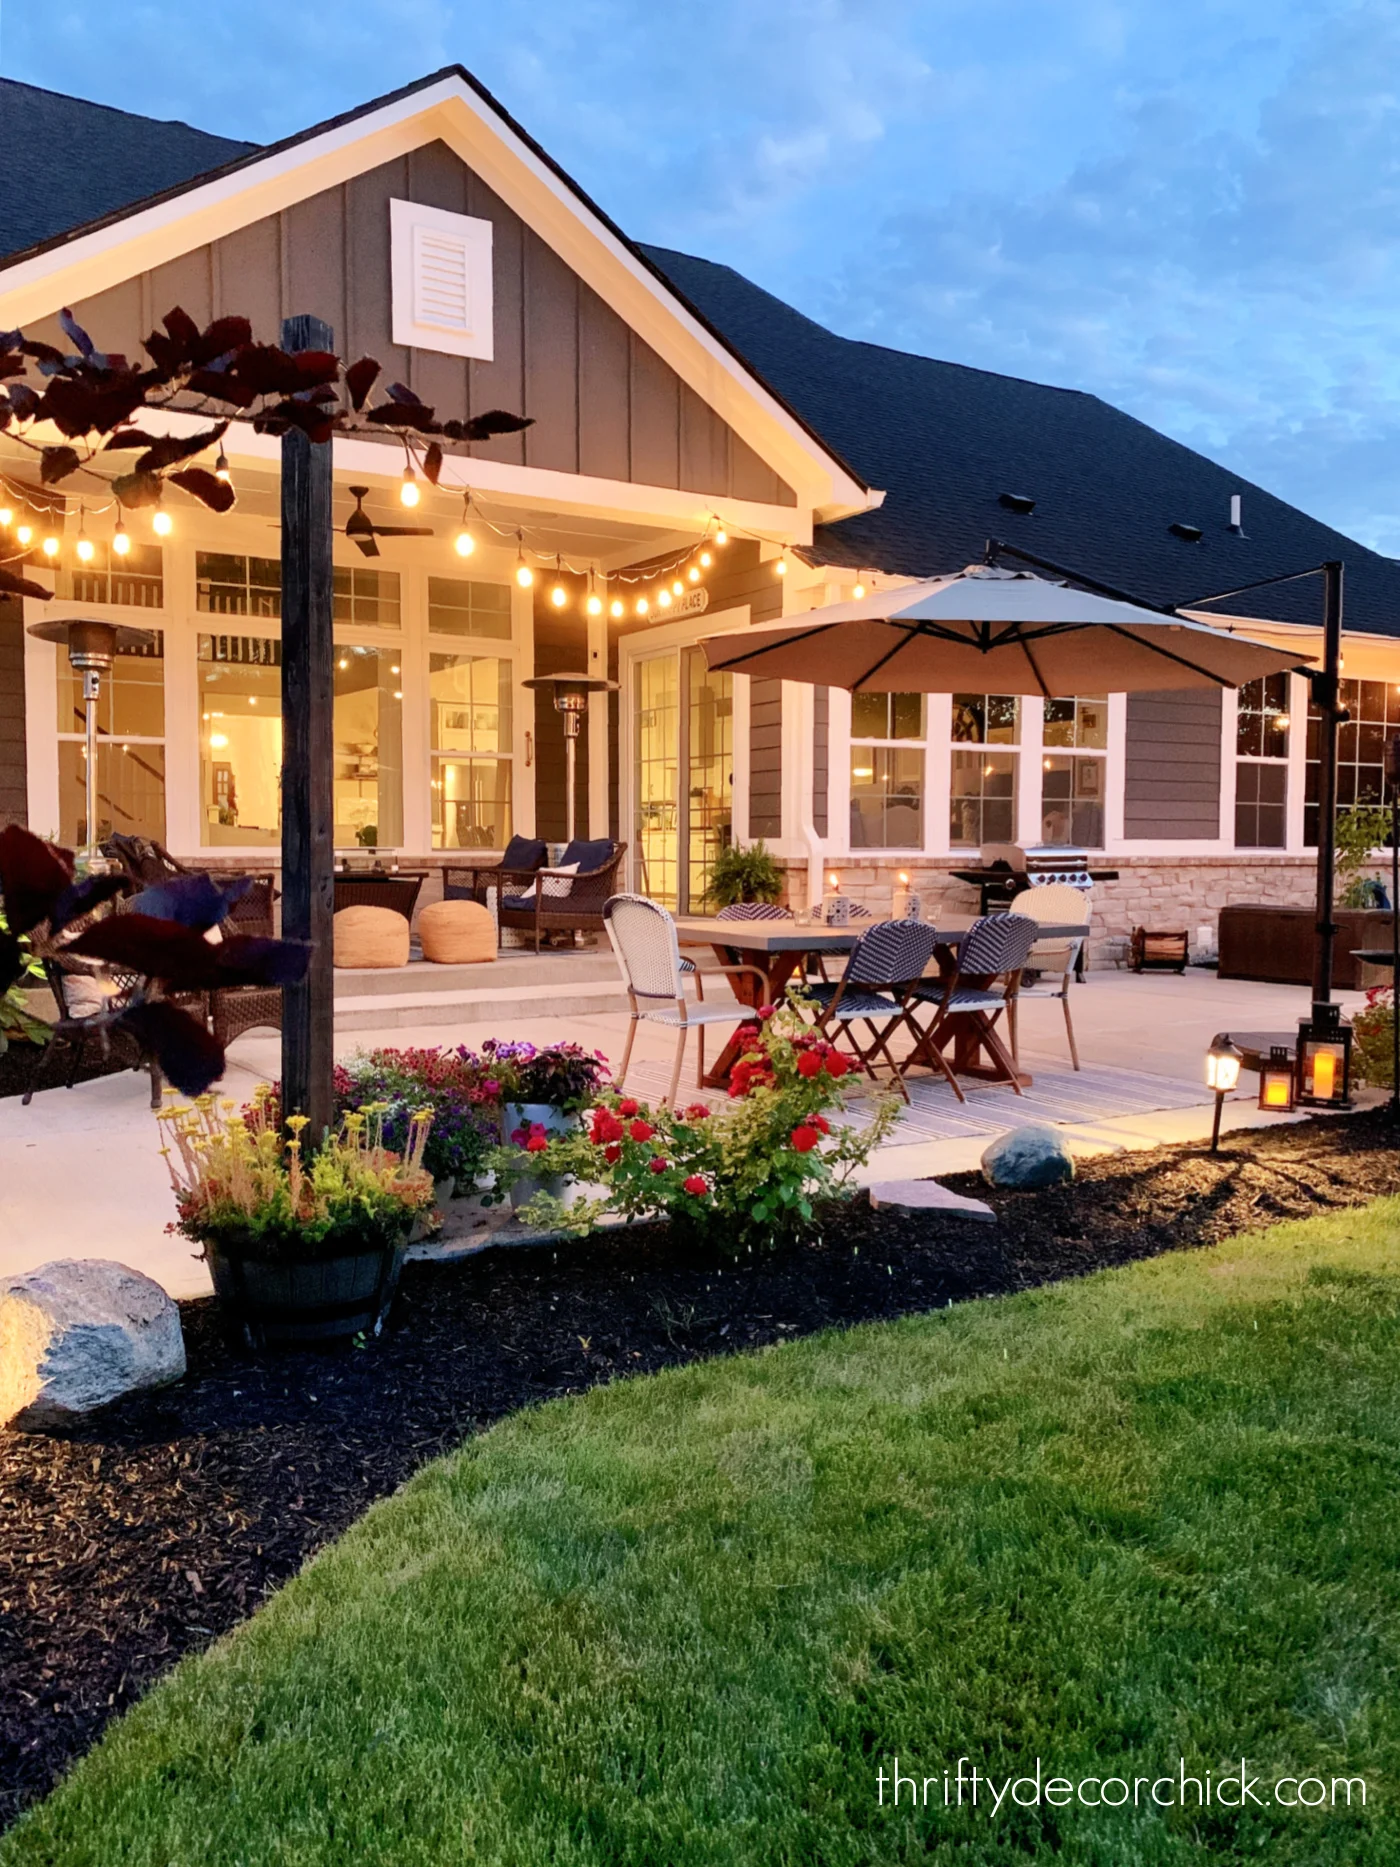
1072, 800
1077, 722
136, 580
132, 699
240, 739
369, 597
1260, 806
657, 740
229, 585
906, 716
456, 607
130, 791
870, 716
471, 703
368, 747
471, 803
983, 798
986, 719
887, 798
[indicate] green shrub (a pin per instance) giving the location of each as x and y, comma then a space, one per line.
752, 874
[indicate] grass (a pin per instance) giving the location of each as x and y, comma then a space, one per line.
1112, 1524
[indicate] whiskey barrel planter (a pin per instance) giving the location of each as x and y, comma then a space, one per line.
1278, 945
275, 1303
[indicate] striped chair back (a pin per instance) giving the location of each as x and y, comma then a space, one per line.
997, 943
754, 911
890, 953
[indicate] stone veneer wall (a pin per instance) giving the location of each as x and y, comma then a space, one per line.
1163, 893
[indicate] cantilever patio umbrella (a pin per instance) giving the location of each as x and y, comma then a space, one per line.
994, 631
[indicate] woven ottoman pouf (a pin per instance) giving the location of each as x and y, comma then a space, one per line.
367, 936
457, 933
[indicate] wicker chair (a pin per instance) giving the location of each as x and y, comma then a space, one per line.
643, 936
875, 989
524, 857
62, 976
145, 861
399, 892
573, 902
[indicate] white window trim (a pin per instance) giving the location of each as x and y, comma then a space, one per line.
411, 227
877, 852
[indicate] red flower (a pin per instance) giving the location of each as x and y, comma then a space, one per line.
641, 1131
836, 1064
696, 1184
809, 1064
612, 1154
536, 1144
765, 1012
606, 1127
698, 1111
628, 1107
820, 1123
804, 1139
657, 1164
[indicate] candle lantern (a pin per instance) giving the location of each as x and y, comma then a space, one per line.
1324, 1059
1223, 1061
1276, 1079
836, 908
904, 903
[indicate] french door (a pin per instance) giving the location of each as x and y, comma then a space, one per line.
683, 775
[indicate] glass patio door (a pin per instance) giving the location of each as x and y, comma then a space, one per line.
683, 775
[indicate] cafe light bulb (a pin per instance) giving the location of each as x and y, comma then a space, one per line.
408, 488
663, 598
121, 541
221, 469
6, 515
524, 576
780, 567
706, 560
344, 662
858, 592
83, 547
677, 588
693, 573
161, 523
617, 608
51, 546
24, 533
594, 605
464, 543
643, 607
721, 536
559, 596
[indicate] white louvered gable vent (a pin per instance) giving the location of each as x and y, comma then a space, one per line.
441, 265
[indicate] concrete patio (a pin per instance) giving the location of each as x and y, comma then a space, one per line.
81, 1175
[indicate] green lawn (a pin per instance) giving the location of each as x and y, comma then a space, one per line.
1148, 1516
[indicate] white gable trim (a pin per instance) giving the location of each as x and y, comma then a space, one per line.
452, 112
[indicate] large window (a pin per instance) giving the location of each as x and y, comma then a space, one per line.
1073, 779
1261, 764
130, 748
240, 700
1375, 714
887, 771
470, 697
229, 585
136, 581
982, 799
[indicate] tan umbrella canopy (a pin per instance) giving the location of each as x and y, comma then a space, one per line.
996, 631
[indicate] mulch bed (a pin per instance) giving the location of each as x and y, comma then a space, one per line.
164, 1525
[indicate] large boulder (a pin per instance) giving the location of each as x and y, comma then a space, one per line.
79, 1333
1036, 1155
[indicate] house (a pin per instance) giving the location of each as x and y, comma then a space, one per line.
702, 457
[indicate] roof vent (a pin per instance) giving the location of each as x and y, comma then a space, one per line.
1016, 502
1237, 515
1189, 532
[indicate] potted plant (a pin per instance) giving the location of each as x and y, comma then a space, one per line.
542, 1091
458, 1087
752, 874
301, 1249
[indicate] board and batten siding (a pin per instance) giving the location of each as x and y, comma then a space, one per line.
1171, 776
603, 402
14, 784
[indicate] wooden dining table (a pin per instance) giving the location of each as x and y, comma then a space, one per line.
779, 951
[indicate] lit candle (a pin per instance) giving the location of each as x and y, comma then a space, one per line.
1324, 1073
1276, 1093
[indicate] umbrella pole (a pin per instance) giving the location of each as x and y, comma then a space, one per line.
1326, 696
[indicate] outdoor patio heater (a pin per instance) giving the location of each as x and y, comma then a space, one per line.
571, 693
92, 643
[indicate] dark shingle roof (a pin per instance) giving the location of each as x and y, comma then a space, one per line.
66, 162
946, 441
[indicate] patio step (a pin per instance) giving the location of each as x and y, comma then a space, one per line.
507, 972
500, 1006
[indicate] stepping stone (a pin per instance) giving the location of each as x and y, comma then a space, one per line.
927, 1196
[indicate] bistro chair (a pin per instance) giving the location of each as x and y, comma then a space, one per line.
736, 911
1055, 960
881, 972
982, 985
643, 936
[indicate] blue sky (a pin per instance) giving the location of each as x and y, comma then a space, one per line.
1192, 209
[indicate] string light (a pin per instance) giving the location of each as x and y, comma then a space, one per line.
594, 605
721, 535
121, 541
524, 576
51, 546
221, 471
161, 523
558, 595
678, 588
464, 543
24, 533
6, 516
642, 606
408, 491
780, 567
859, 590
83, 545
693, 574
663, 598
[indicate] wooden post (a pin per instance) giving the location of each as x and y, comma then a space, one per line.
308, 700
1326, 688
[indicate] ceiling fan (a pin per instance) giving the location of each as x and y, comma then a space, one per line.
362, 528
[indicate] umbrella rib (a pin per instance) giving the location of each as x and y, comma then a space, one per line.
1035, 666
788, 641
856, 685
1167, 655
